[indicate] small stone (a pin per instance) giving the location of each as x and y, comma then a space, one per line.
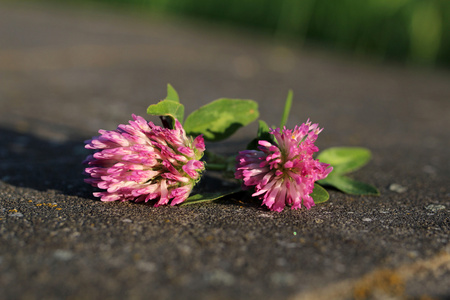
220, 277
435, 207
395, 187
127, 220
283, 279
429, 170
266, 216
16, 214
63, 254
367, 220
412, 254
281, 262
146, 266
319, 221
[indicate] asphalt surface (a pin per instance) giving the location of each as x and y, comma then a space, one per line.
67, 72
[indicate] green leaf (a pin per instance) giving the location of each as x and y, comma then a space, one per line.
350, 186
319, 194
264, 131
345, 159
221, 118
172, 94
263, 134
167, 108
208, 197
287, 108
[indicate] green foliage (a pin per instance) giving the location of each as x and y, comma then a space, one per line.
216, 120
209, 197
172, 94
221, 118
350, 186
319, 194
345, 160
169, 108
287, 108
263, 128
263, 134
416, 31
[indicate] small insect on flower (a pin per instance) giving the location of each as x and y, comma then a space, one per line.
283, 173
143, 162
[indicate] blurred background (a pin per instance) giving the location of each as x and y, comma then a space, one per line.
77, 66
409, 31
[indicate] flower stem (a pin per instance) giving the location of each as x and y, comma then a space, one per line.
216, 167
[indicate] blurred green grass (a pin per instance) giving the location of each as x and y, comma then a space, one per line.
409, 31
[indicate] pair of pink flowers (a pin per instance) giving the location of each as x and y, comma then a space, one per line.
145, 162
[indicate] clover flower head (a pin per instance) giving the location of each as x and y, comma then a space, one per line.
283, 173
141, 161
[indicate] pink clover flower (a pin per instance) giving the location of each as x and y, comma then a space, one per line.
283, 173
141, 161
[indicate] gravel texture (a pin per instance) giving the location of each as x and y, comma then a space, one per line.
66, 72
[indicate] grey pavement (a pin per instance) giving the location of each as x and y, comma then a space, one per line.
66, 72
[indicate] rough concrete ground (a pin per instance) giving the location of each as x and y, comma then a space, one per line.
67, 72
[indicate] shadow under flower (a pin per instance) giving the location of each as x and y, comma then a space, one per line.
27, 160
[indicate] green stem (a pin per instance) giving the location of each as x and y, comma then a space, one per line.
212, 157
287, 108
216, 167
